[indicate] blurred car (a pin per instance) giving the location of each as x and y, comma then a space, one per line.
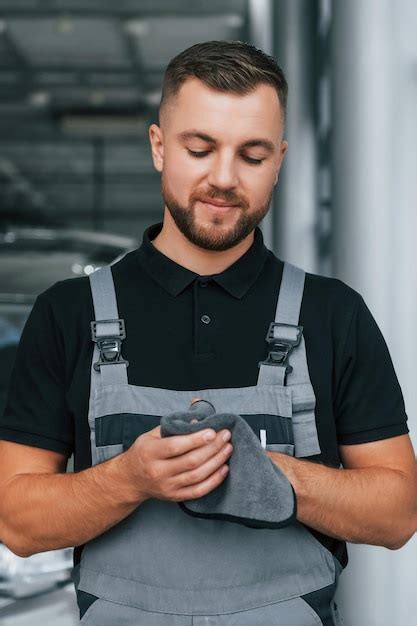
31, 260
23, 577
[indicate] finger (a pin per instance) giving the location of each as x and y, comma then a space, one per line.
201, 470
177, 445
199, 463
201, 489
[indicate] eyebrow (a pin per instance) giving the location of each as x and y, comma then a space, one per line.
264, 143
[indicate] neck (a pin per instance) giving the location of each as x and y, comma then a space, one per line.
172, 243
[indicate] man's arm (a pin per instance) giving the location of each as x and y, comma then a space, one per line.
43, 509
372, 499
42, 506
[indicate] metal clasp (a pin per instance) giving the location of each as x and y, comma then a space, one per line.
280, 348
109, 345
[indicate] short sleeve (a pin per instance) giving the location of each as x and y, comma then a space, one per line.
36, 411
369, 403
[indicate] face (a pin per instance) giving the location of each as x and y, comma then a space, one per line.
218, 148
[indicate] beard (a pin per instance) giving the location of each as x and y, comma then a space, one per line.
213, 237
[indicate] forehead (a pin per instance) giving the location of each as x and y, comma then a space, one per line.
225, 113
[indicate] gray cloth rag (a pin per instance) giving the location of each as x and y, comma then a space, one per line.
255, 493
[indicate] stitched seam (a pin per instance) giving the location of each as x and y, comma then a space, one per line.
179, 588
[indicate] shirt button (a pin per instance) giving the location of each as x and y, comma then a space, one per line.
205, 319
203, 283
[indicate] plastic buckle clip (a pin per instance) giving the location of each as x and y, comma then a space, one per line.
279, 349
109, 345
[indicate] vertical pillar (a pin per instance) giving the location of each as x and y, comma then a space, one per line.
296, 192
260, 24
373, 240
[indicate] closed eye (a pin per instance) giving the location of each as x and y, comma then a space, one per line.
202, 154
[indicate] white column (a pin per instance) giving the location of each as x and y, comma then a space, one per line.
296, 191
374, 95
260, 23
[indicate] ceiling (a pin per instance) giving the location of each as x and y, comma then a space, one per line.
80, 84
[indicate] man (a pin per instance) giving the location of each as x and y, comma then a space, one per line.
197, 299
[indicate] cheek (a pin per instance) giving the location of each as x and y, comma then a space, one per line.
179, 180
175, 169
259, 187
184, 175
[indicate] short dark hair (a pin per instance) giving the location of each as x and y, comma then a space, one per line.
234, 66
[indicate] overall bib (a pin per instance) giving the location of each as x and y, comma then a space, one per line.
162, 567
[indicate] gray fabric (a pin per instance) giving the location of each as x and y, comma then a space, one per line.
293, 612
106, 613
290, 402
113, 373
266, 400
271, 374
255, 493
305, 433
283, 448
99, 380
302, 397
104, 453
160, 559
116, 399
104, 294
95, 383
290, 294
105, 308
297, 396
288, 312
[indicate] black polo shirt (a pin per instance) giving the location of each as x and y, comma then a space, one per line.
190, 332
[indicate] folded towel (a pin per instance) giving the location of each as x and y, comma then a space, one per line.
255, 493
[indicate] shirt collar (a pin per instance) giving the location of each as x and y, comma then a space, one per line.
174, 278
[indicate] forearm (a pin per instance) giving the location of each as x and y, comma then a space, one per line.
373, 505
41, 512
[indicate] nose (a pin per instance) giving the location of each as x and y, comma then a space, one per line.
223, 173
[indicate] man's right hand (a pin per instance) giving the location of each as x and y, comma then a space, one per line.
179, 467
33, 486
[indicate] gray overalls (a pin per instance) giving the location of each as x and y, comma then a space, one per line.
162, 567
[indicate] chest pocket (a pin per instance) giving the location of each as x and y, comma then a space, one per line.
124, 428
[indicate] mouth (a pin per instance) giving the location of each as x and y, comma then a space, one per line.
222, 208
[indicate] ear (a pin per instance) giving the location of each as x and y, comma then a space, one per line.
284, 147
157, 146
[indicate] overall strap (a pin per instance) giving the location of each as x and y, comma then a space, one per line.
284, 334
286, 363
107, 331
